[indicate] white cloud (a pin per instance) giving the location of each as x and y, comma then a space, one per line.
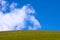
12, 6
3, 5
16, 19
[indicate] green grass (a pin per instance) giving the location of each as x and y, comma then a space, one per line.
30, 35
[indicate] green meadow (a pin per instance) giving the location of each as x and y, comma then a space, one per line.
30, 35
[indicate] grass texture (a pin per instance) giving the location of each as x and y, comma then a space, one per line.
30, 35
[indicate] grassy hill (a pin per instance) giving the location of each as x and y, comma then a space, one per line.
30, 35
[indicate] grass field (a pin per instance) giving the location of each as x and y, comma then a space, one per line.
30, 35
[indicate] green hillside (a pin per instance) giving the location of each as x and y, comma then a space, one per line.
30, 35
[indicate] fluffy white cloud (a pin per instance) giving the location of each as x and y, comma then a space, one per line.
17, 19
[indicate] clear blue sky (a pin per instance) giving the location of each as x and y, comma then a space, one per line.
48, 12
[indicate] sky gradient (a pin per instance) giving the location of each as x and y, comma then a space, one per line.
47, 12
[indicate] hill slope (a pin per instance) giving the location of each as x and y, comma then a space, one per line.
29, 35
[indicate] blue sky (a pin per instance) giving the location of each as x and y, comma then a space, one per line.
47, 12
